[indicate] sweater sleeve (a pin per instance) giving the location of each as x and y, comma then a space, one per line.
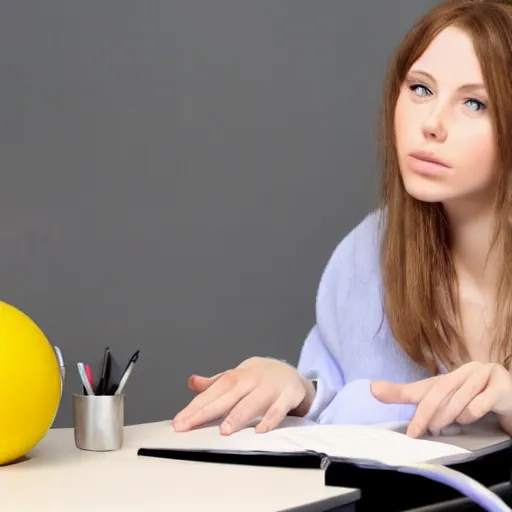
331, 347
337, 401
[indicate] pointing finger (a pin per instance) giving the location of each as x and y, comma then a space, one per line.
402, 393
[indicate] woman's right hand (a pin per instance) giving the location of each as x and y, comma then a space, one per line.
257, 387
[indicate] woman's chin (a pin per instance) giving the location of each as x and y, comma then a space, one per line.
427, 191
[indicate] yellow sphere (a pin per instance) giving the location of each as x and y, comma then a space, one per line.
30, 384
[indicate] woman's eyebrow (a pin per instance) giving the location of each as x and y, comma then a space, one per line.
465, 87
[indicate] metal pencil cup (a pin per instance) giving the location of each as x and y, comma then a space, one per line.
98, 422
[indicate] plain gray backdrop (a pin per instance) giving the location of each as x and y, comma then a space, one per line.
175, 174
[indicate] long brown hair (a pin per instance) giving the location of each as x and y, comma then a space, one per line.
417, 269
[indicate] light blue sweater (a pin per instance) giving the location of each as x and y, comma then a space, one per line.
351, 343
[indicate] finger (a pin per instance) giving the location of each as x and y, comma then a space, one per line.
402, 393
440, 392
478, 407
500, 382
452, 429
489, 399
246, 410
205, 406
209, 411
198, 383
459, 400
275, 414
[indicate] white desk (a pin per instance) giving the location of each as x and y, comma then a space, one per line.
57, 477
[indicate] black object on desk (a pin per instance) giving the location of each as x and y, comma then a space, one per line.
390, 491
115, 374
288, 460
105, 373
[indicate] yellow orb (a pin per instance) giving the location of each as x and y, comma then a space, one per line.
30, 384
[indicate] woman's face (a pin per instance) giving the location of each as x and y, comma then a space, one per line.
444, 135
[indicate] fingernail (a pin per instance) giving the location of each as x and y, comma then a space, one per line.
226, 428
413, 431
261, 429
180, 425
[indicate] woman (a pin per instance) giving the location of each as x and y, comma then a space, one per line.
414, 308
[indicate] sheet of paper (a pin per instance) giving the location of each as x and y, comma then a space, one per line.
210, 438
298, 435
365, 442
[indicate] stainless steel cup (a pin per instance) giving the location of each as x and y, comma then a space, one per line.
98, 422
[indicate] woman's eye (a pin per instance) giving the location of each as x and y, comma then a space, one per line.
420, 90
475, 105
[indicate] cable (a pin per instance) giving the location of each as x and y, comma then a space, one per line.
467, 486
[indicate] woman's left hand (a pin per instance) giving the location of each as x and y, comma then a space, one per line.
462, 396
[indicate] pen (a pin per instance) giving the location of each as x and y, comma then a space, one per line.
60, 359
84, 379
105, 373
62, 367
88, 372
127, 372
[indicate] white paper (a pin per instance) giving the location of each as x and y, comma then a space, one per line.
210, 438
298, 435
365, 442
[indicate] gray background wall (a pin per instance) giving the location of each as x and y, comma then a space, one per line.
175, 174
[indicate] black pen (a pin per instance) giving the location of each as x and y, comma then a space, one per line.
105, 373
127, 372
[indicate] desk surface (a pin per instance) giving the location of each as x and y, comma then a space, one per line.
58, 477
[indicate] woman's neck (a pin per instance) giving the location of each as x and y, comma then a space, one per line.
471, 229
477, 271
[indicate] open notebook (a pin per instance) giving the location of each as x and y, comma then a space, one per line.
377, 445
299, 443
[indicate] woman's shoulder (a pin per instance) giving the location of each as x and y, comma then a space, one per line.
364, 237
350, 309
356, 258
